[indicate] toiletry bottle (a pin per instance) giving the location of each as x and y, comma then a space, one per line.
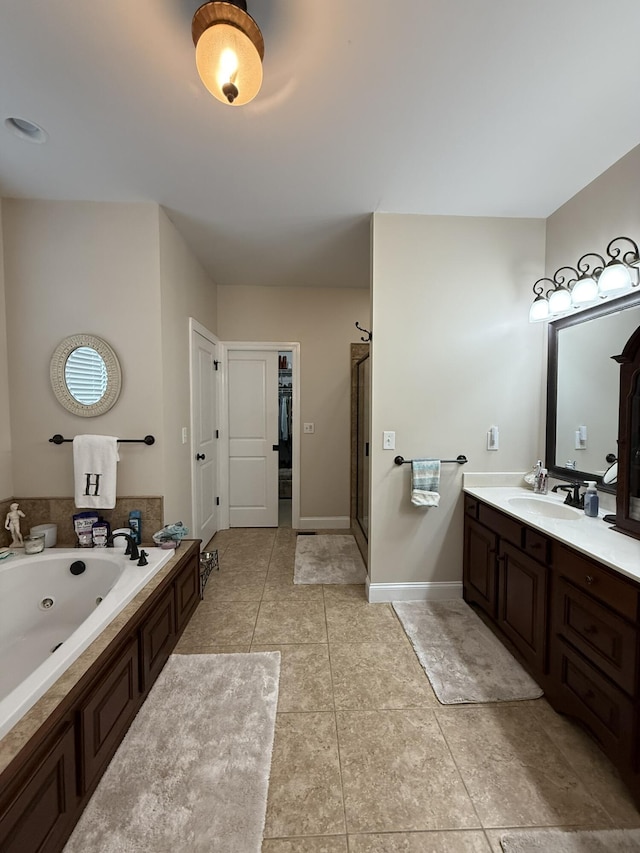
591, 500
544, 481
135, 523
536, 478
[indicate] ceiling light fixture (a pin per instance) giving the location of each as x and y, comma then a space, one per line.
229, 51
592, 281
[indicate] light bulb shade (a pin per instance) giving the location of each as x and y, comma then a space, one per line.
615, 278
584, 291
229, 51
559, 300
539, 310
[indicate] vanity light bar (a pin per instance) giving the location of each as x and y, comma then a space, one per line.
594, 279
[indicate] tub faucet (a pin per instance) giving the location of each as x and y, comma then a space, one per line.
132, 547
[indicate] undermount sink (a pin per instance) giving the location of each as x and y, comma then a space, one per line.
546, 508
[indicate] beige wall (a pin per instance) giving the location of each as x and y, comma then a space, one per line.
82, 267
322, 321
186, 291
608, 207
120, 271
6, 479
453, 353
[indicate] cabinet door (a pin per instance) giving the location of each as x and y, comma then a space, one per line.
522, 604
41, 813
480, 546
187, 588
157, 639
107, 713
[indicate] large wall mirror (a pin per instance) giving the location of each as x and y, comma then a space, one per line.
583, 390
85, 375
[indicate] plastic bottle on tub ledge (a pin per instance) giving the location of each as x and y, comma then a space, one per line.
135, 524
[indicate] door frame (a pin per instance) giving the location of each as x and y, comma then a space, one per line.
223, 457
195, 326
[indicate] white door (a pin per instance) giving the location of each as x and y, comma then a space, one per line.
253, 438
204, 436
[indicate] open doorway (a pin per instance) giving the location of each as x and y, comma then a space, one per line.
260, 435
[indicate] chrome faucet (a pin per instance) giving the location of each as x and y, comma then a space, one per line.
132, 546
573, 498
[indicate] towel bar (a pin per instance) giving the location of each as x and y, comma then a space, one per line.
148, 439
461, 460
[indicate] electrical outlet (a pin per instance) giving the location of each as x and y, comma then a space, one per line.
388, 440
493, 438
309, 428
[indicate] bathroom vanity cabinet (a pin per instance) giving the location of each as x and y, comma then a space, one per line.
573, 621
506, 573
44, 790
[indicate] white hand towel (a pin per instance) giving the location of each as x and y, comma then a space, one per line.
94, 466
425, 482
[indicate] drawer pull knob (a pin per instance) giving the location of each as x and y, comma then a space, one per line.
536, 545
591, 629
589, 579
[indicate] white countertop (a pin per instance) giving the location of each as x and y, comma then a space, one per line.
590, 536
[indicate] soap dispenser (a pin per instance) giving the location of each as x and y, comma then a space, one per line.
591, 500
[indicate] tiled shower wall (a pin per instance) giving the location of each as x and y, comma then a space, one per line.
60, 511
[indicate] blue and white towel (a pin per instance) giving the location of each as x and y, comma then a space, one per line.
425, 482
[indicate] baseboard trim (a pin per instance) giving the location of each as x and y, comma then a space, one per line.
338, 522
428, 591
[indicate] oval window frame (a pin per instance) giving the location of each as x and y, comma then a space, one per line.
58, 381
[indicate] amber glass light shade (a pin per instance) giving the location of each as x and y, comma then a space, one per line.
229, 52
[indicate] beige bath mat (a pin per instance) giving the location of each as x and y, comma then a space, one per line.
463, 660
328, 559
193, 770
582, 841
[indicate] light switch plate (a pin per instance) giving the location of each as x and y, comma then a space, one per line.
309, 428
388, 440
185, 435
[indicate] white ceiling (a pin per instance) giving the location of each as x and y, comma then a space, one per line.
469, 107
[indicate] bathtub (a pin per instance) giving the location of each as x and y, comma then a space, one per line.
49, 615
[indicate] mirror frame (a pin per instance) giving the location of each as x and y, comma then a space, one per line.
58, 381
630, 300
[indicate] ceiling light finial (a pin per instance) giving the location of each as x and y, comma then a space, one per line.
229, 50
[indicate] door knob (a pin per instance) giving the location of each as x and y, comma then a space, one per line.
200, 456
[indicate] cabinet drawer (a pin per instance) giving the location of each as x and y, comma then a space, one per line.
584, 693
506, 527
470, 506
614, 590
536, 545
602, 637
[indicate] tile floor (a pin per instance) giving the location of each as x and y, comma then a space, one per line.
365, 759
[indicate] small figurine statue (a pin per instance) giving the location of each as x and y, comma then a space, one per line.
12, 524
